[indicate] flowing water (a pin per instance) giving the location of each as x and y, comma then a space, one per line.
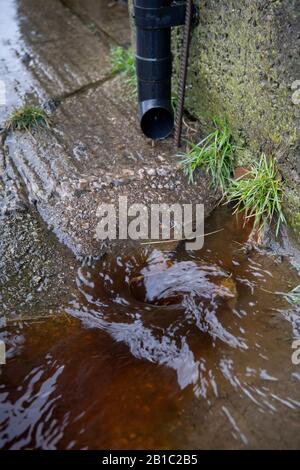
161, 348
158, 348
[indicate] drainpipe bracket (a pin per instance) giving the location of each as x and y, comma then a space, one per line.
160, 18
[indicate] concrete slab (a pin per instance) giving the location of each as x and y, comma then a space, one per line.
36, 272
46, 52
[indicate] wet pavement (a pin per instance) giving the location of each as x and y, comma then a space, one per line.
36, 271
94, 151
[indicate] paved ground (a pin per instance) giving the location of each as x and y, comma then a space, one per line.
59, 54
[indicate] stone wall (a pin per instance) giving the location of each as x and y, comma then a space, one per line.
245, 58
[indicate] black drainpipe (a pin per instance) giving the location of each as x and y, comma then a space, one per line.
153, 20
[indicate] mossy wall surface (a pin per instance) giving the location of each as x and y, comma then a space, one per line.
245, 63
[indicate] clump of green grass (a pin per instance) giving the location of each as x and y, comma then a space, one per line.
215, 153
259, 194
27, 118
123, 62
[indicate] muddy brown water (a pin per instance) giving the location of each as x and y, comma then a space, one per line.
161, 349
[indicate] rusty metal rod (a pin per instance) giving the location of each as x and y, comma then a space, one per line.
183, 72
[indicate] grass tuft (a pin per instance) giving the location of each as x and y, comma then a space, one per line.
259, 194
215, 153
123, 62
26, 119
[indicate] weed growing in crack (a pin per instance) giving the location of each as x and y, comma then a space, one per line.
27, 118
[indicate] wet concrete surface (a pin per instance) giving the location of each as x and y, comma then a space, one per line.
46, 51
36, 272
103, 18
94, 150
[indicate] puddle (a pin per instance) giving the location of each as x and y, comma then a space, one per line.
161, 349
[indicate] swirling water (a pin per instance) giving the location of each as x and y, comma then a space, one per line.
161, 348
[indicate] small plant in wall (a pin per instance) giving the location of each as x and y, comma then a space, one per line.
258, 194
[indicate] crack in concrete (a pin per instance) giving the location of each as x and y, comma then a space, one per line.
84, 88
58, 100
